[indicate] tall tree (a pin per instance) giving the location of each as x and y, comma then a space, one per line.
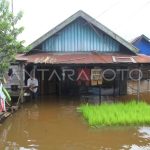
9, 31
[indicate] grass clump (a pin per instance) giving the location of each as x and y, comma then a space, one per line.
130, 113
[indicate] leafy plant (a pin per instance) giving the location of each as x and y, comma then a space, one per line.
9, 44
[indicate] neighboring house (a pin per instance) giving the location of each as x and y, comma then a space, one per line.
143, 44
81, 42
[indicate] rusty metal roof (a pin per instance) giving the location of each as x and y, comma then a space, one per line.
79, 58
140, 58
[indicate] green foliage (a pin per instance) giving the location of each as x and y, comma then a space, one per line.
131, 113
9, 45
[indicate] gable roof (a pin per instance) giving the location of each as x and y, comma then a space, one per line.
90, 20
140, 37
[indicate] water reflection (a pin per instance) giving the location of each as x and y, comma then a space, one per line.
135, 147
33, 112
55, 125
144, 133
144, 139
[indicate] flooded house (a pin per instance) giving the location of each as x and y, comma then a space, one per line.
81, 56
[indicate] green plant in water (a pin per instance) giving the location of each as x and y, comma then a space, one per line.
130, 113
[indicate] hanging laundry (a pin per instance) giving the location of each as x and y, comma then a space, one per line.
1, 108
2, 103
2, 98
96, 77
83, 76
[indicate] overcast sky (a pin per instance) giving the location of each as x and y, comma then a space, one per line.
127, 18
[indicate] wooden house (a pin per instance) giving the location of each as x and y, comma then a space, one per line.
81, 43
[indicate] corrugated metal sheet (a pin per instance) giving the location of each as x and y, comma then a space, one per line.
76, 58
143, 44
80, 36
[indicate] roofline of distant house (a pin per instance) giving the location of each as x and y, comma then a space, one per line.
90, 20
140, 37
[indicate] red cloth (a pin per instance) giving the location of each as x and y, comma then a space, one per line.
1, 109
2, 105
84, 76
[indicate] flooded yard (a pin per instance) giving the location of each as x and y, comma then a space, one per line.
52, 124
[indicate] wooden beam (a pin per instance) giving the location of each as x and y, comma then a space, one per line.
138, 86
21, 82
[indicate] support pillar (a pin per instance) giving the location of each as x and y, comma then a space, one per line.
21, 83
138, 85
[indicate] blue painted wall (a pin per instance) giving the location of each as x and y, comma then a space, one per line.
143, 46
80, 36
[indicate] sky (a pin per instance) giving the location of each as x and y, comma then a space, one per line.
127, 18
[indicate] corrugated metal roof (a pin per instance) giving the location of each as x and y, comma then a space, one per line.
90, 20
79, 36
78, 58
20, 57
143, 44
140, 37
142, 58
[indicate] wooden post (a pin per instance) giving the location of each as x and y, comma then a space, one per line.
59, 88
138, 90
148, 85
138, 86
21, 82
100, 100
114, 86
148, 79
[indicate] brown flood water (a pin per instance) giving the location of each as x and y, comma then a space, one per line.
50, 124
